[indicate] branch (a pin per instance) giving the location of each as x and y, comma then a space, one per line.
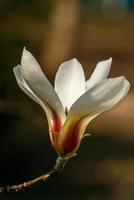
60, 164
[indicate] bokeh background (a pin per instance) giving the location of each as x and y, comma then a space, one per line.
54, 31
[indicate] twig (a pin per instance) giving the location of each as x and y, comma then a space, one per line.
60, 164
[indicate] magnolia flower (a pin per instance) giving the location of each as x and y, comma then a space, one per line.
73, 102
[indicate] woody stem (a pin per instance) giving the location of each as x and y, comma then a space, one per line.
60, 164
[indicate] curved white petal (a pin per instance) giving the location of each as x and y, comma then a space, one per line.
111, 103
100, 98
23, 85
100, 73
101, 94
70, 82
40, 86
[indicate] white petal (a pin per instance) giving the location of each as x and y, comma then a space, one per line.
100, 73
123, 92
70, 82
39, 84
97, 99
100, 98
23, 85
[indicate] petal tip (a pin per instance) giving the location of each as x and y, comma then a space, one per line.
15, 68
74, 60
24, 52
126, 82
120, 78
105, 63
26, 56
123, 80
110, 59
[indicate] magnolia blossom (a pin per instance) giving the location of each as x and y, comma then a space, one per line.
73, 102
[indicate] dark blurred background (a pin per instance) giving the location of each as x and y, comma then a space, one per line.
54, 31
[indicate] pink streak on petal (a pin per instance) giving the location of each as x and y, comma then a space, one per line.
56, 124
54, 132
